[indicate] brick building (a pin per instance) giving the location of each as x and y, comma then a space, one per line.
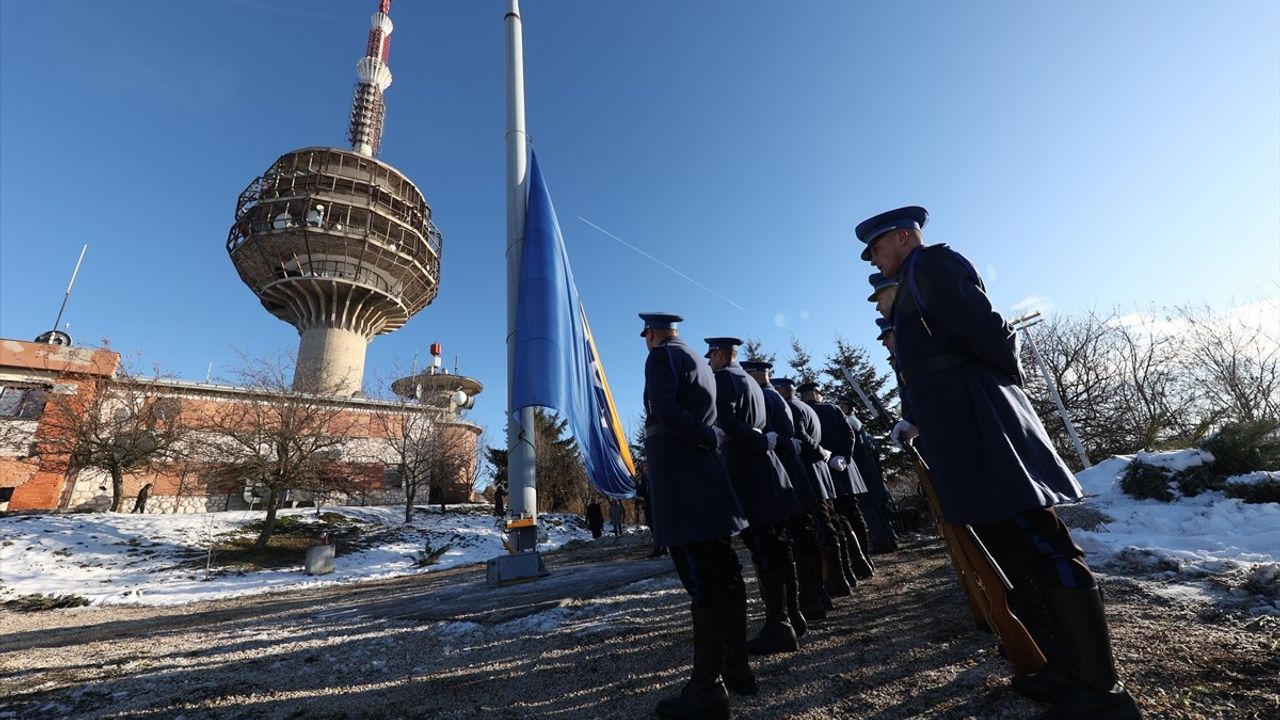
36, 471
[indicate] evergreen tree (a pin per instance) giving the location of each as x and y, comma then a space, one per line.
801, 363
753, 350
858, 361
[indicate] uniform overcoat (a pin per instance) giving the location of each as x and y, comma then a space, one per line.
866, 455
989, 454
689, 492
838, 438
809, 432
758, 478
779, 420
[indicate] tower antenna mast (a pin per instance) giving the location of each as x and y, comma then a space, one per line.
368, 109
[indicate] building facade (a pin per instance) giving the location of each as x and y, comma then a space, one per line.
37, 471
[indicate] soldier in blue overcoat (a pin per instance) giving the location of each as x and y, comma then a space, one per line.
762, 486
992, 463
695, 515
804, 575
838, 439
831, 533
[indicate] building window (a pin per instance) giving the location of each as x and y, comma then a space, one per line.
22, 401
393, 476
6, 494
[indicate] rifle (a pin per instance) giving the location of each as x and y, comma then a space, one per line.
984, 583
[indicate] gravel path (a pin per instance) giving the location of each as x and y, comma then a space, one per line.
900, 648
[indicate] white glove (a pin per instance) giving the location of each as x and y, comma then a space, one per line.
826, 454
837, 463
772, 437
720, 436
904, 432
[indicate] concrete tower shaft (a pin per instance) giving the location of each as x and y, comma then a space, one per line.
340, 245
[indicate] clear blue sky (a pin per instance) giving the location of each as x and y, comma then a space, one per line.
1090, 153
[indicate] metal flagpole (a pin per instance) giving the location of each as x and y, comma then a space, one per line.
521, 480
1023, 323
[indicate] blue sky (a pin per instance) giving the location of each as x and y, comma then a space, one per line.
1088, 153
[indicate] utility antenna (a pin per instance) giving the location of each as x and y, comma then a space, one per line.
368, 109
56, 336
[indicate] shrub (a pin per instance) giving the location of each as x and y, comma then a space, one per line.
1266, 490
429, 555
49, 602
1195, 480
1145, 481
1243, 447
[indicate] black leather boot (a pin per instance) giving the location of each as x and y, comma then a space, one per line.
809, 568
798, 623
859, 561
1093, 690
738, 677
776, 635
834, 582
1028, 605
704, 696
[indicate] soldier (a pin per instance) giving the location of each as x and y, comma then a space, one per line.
808, 432
875, 502
838, 439
762, 487
883, 291
993, 465
804, 575
695, 515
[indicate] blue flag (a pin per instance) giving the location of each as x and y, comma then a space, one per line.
556, 363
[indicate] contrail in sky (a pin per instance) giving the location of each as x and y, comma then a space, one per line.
686, 277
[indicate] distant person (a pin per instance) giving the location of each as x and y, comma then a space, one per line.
140, 505
499, 502
646, 507
595, 519
615, 516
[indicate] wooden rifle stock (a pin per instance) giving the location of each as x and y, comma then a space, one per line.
983, 582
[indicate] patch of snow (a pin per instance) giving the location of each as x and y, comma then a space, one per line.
1190, 539
113, 558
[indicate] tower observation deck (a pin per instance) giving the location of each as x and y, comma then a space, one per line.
338, 243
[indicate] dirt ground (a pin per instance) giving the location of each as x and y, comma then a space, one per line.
902, 647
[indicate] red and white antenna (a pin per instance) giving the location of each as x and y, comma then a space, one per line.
368, 109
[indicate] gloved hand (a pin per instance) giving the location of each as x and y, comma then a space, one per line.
720, 436
772, 437
903, 433
826, 454
837, 463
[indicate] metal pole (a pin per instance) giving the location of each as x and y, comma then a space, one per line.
521, 481
1057, 399
67, 296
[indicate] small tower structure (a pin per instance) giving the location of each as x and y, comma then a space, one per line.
437, 388
338, 243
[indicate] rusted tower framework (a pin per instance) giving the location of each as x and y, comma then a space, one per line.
337, 243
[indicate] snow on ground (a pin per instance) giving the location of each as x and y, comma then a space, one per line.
113, 558
1189, 539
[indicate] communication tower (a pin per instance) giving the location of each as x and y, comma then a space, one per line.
338, 243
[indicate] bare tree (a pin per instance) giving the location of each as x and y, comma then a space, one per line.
1235, 364
278, 438
114, 424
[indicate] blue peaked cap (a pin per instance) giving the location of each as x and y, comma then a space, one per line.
879, 282
909, 217
721, 343
660, 321
756, 366
885, 325
782, 382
